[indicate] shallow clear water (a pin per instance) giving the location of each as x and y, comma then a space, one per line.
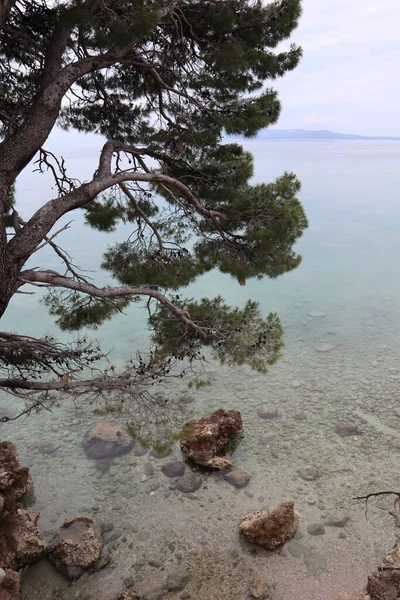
341, 314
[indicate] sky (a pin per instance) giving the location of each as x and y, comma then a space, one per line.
349, 77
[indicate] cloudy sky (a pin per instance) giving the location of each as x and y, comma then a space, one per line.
349, 77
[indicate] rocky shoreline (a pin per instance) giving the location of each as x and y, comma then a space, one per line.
82, 546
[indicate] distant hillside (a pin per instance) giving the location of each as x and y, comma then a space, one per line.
305, 134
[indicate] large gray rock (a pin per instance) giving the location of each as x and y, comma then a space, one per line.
271, 528
207, 438
189, 483
76, 547
108, 439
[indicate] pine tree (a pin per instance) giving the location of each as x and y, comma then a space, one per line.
164, 82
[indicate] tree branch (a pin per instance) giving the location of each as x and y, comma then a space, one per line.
53, 279
26, 241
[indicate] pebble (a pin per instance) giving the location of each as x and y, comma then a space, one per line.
309, 473
148, 469
178, 579
154, 563
160, 453
268, 411
316, 529
337, 520
325, 348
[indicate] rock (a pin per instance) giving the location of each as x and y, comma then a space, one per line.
268, 411
309, 473
153, 592
128, 595
271, 528
316, 529
189, 483
148, 470
178, 579
237, 478
103, 465
76, 547
395, 444
160, 453
46, 447
207, 438
258, 588
316, 565
384, 585
325, 348
108, 439
15, 480
300, 416
20, 539
347, 429
174, 469
140, 450
10, 585
296, 549
392, 560
337, 520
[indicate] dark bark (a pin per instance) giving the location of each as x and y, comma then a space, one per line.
5, 6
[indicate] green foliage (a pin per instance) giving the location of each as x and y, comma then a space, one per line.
169, 267
234, 336
160, 435
75, 310
195, 72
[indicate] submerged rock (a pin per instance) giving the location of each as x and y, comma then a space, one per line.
178, 579
207, 438
316, 529
268, 411
189, 483
76, 547
347, 429
108, 439
20, 539
258, 588
160, 453
271, 528
384, 585
46, 447
9, 584
336, 520
309, 473
174, 469
237, 478
128, 595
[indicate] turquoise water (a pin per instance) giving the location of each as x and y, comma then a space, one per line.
341, 363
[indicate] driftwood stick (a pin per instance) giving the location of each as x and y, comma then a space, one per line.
374, 494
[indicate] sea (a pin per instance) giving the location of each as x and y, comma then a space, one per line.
340, 310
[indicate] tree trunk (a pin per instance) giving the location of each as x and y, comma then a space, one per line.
9, 270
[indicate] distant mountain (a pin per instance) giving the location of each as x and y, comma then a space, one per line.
305, 134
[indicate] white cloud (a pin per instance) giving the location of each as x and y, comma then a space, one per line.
348, 77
